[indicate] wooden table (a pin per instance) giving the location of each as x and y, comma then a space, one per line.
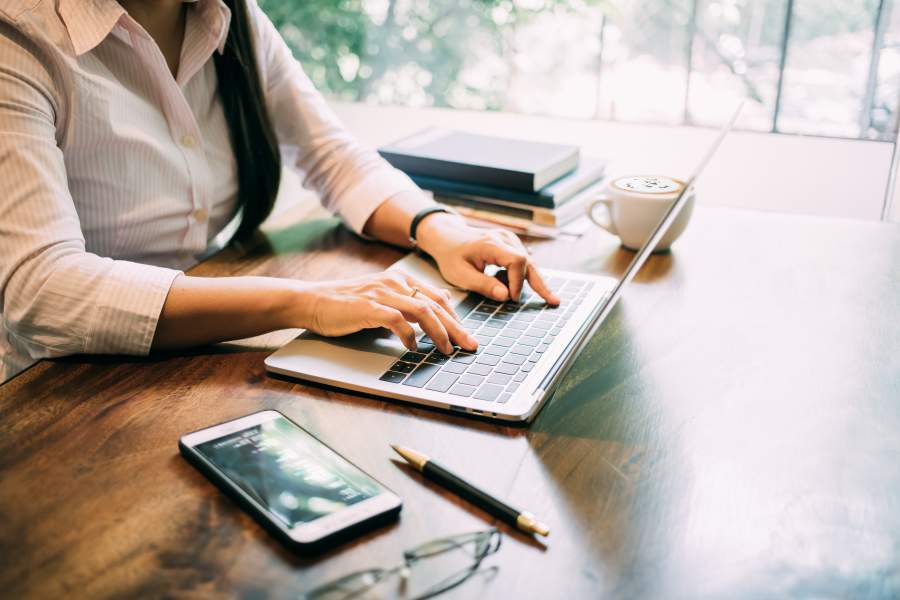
733, 430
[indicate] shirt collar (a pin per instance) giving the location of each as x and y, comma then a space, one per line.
89, 22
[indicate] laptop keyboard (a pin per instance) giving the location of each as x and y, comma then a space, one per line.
512, 337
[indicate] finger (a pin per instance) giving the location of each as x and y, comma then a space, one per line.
420, 311
537, 283
472, 279
458, 334
515, 262
439, 296
391, 318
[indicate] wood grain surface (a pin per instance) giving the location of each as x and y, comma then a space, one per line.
733, 430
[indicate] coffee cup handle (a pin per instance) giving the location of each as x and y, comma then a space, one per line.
606, 223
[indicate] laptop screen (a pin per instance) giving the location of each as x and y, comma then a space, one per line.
637, 262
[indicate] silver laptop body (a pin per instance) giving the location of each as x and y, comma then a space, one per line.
525, 349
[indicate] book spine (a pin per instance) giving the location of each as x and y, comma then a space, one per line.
477, 174
442, 186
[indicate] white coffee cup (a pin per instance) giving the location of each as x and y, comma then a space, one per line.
634, 205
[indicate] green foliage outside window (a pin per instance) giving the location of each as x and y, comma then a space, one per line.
354, 49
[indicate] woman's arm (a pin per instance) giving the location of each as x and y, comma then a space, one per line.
200, 310
55, 297
371, 196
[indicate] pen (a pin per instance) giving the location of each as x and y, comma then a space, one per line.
521, 519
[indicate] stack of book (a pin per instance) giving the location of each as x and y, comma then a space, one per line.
531, 187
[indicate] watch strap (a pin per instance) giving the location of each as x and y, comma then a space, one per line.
420, 216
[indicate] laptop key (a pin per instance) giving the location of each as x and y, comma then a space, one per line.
483, 339
537, 333
469, 379
541, 324
521, 349
512, 387
506, 369
479, 369
495, 350
424, 347
464, 357
461, 389
527, 367
436, 358
541, 348
520, 376
516, 324
402, 367
489, 392
488, 359
454, 367
478, 316
413, 357
515, 359
393, 377
465, 307
504, 398
421, 375
499, 379
529, 340
489, 331
441, 382
502, 340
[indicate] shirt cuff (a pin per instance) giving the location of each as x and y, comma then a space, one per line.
126, 315
358, 204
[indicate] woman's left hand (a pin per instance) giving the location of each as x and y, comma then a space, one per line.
462, 252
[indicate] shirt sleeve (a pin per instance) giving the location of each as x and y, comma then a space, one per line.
55, 297
350, 178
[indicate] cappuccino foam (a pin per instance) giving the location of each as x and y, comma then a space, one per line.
648, 184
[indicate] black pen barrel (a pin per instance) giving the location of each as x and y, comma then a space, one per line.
466, 490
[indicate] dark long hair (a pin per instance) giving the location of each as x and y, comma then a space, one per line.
253, 139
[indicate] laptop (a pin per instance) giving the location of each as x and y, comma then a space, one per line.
525, 348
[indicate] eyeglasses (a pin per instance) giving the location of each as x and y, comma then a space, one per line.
427, 570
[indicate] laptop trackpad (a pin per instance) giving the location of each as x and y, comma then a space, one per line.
352, 359
379, 341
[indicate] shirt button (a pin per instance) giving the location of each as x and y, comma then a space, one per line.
188, 141
200, 215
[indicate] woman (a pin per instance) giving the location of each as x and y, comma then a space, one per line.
134, 133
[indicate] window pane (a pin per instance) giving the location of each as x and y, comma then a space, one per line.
827, 66
657, 61
736, 55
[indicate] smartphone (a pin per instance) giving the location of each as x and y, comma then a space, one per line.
303, 492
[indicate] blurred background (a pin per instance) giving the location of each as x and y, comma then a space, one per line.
819, 67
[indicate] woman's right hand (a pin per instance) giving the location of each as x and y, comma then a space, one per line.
335, 308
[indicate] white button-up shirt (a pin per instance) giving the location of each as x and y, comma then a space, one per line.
115, 175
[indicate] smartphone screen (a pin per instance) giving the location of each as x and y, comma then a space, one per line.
287, 471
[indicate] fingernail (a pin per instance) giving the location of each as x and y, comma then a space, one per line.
471, 341
499, 292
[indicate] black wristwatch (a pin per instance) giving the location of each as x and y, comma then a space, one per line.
420, 216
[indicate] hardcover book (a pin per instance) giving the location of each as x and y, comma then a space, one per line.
481, 159
589, 171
